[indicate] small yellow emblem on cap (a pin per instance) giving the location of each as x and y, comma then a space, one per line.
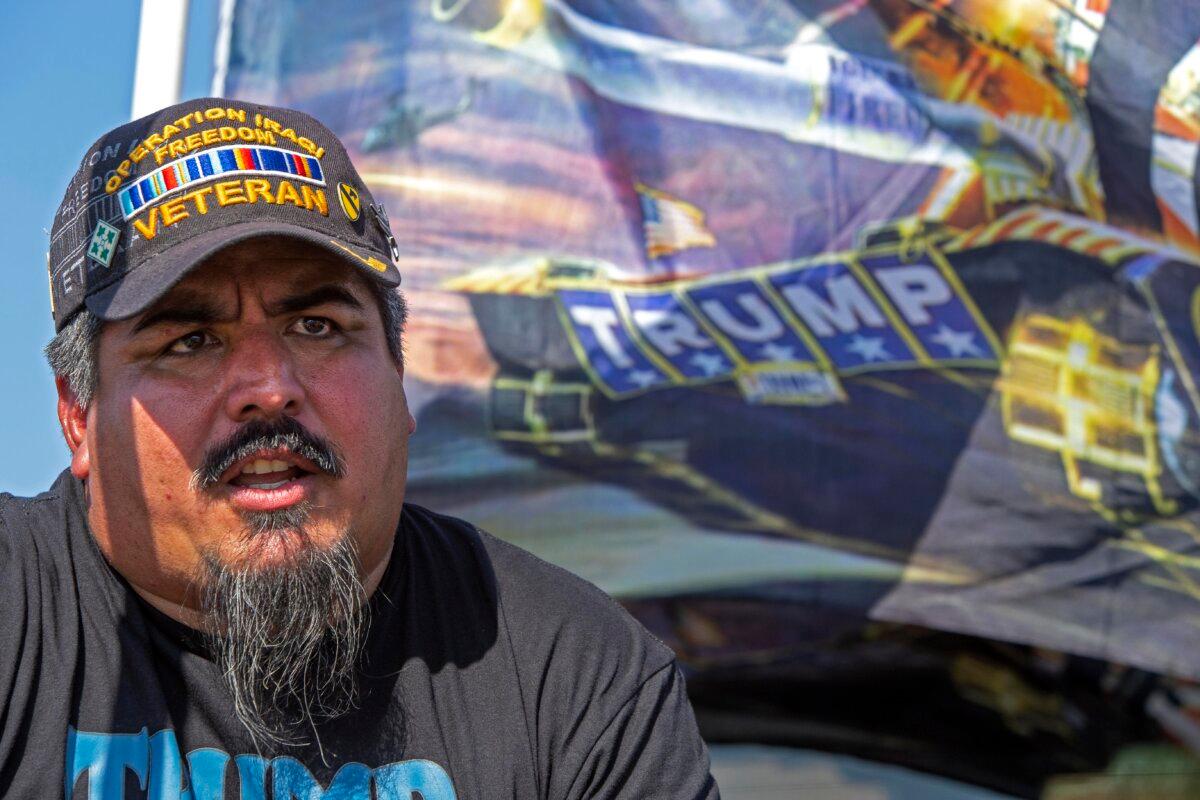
371, 261
351, 205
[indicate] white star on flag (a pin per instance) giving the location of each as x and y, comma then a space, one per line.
643, 378
957, 343
869, 348
774, 351
709, 363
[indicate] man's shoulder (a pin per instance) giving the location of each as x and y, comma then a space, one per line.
602, 698
38, 549
543, 606
32, 524
524, 580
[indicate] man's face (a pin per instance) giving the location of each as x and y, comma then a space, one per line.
267, 334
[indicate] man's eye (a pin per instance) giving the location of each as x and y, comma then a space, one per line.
314, 326
191, 343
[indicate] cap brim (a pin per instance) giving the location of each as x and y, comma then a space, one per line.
143, 286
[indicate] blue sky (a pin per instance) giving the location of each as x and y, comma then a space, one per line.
68, 68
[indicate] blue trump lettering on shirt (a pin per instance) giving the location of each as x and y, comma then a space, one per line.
103, 761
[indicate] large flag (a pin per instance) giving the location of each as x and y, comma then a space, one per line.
883, 311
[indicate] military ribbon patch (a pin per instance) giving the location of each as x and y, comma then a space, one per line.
210, 164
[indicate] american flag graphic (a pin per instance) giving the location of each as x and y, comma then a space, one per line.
671, 224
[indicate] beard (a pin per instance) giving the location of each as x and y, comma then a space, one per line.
287, 636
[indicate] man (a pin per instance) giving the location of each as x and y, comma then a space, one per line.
225, 595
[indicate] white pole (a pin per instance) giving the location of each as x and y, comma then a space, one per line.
221, 50
158, 76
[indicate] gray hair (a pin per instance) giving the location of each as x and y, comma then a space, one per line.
288, 637
72, 351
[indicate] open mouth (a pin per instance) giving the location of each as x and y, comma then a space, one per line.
268, 469
262, 473
269, 480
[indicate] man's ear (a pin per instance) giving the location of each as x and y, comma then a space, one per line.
72, 418
412, 420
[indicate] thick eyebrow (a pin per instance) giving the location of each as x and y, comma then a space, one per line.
191, 309
329, 293
195, 309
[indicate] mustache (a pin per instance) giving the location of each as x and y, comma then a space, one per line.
284, 433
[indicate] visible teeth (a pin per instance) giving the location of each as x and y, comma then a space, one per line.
260, 466
274, 485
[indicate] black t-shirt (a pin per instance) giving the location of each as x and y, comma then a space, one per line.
487, 674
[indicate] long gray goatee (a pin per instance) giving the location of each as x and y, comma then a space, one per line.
287, 637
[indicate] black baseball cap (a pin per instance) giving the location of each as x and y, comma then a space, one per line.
157, 196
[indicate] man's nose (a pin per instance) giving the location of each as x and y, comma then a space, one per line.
261, 380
